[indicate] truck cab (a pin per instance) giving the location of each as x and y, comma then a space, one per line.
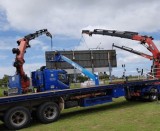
50, 79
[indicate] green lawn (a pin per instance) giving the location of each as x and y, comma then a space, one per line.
119, 115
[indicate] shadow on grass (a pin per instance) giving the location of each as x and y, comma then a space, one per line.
91, 110
3, 128
83, 111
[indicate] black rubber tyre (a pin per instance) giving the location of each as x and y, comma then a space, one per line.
17, 118
128, 97
48, 112
153, 96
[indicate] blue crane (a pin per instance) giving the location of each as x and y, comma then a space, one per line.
58, 58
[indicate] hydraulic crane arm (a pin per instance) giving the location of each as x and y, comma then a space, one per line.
20, 51
128, 35
134, 51
59, 57
122, 34
144, 40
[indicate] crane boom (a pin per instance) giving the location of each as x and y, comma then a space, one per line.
59, 57
20, 51
134, 51
122, 34
144, 40
128, 35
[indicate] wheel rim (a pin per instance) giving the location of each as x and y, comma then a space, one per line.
154, 95
50, 112
18, 118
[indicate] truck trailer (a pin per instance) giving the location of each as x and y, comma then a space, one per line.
16, 111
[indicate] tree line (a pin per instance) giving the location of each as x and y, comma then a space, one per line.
4, 81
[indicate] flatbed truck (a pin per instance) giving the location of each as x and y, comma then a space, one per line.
53, 93
16, 111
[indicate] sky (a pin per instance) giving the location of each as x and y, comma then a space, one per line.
66, 19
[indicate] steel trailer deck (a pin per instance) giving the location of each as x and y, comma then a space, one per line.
59, 93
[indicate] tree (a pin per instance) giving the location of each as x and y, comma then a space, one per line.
4, 80
82, 78
105, 76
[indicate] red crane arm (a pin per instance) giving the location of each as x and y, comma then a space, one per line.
128, 35
151, 46
20, 57
145, 40
20, 51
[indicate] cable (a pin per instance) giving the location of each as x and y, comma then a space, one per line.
51, 45
84, 41
80, 40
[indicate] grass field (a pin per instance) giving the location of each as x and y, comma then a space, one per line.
119, 115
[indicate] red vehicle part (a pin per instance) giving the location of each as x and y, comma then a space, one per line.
19, 60
144, 40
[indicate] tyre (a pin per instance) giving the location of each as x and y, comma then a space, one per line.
128, 97
48, 112
153, 94
17, 118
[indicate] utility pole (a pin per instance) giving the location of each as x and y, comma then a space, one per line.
124, 70
110, 68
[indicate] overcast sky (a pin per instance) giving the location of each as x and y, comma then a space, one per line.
66, 19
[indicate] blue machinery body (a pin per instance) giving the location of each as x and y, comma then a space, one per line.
50, 79
15, 85
42, 80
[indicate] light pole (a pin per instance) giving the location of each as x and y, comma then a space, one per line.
124, 71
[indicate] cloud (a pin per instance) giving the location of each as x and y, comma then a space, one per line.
7, 43
36, 57
3, 21
6, 70
39, 45
70, 17
28, 68
3, 57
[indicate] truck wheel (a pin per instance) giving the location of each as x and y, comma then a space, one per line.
153, 94
48, 112
128, 97
17, 118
